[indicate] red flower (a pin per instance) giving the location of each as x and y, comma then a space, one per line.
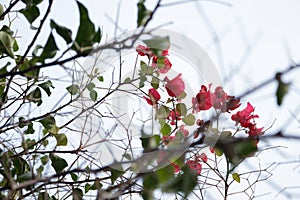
219, 98
173, 116
232, 104
195, 165
154, 97
203, 100
254, 131
176, 167
165, 52
142, 51
175, 87
203, 157
243, 117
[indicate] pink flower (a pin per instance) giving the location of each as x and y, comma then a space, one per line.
183, 131
203, 100
243, 117
154, 97
142, 51
175, 87
203, 157
195, 165
254, 131
173, 116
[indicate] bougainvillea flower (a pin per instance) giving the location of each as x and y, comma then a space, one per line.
174, 87
243, 117
232, 104
143, 51
176, 167
165, 52
167, 66
203, 157
173, 116
183, 131
203, 100
254, 131
153, 98
195, 165
219, 98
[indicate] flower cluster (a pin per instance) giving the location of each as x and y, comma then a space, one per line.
173, 114
245, 119
206, 99
194, 164
160, 62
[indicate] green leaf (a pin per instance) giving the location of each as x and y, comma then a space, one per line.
64, 32
20, 166
29, 129
74, 177
165, 174
48, 122
165, 129
61, 139
73, 89
93, 95
24, 177
7, 43
236, 177
282, 90
3, 82
29, 143
157, 44
22, 122
44, 159
43, 196
35, 96
1, 12
29, 66
184, 182
87, 187
46, 87
150, 143
86, 34
236, 149
145, 69
162, 112
77, 194
31, 12
33, 2
189, 120
155, 82
143, 13
115, 174
127, 80
181, 108
91, 86
58, 163
40, 170
100, 78
49, 50
182, 95
150, 181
